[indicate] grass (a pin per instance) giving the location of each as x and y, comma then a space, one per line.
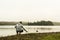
34, 36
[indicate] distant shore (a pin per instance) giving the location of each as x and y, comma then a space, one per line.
27, 23
34, 36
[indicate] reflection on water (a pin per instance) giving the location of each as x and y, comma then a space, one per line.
10, 30
5, 32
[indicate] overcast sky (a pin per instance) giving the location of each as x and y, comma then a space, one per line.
30, 10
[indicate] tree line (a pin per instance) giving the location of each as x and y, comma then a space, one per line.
41, 23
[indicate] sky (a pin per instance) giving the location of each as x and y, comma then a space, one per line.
30, 10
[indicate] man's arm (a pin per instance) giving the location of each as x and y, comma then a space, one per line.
15, 26
25, 29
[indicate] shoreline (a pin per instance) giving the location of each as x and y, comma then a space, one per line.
34, 36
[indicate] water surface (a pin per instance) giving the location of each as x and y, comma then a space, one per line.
10, 30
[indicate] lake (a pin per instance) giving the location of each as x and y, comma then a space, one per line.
10, 30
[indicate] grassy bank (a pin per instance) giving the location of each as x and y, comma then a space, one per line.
33, 36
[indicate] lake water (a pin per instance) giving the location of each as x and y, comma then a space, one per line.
10, 30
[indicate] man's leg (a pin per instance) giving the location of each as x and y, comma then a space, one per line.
17, 32
20, 31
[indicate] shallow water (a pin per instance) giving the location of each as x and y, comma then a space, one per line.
10, 30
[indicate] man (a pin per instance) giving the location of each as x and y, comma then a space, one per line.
19, 28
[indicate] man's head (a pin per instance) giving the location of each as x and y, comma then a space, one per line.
20, 22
